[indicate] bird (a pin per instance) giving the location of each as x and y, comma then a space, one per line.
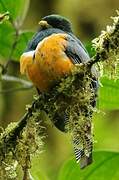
51, 54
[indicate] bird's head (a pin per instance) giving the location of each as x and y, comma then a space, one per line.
55, 21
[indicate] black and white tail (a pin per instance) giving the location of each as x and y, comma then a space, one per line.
81, 156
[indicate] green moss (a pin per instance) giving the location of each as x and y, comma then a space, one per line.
74, 96
19, 151
107, 48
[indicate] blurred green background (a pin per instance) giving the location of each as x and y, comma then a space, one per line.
88, 19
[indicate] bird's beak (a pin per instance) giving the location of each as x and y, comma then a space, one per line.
26, 59
44, 24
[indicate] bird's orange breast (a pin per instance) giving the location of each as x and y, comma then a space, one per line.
50, 62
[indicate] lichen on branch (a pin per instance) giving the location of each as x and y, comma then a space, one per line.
19, 142
107, 50
74, 95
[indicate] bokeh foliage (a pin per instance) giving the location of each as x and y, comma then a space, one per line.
15, 39
100, 169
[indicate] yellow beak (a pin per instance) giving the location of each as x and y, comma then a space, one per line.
44, 24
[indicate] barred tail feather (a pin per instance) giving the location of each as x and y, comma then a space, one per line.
80, 154
77, 150
85, 161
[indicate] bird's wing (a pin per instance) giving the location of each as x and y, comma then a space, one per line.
78, 54
75, 51
40, 35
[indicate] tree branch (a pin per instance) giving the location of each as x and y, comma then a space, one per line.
25, 84
17, 80
71, 93
107, 45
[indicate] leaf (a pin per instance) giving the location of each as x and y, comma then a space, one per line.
17, 9
37, 171
7, 36
109, 94
6, 39
90, 49
22, 42
104, 166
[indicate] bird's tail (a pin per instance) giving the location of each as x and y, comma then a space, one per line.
83, 150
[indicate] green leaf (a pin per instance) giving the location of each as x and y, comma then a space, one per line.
37, 170
90, 49
6, 39
22, 42
105, 166
37, 174
109, 94
17, 9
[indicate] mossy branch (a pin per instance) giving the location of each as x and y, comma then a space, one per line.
107, 49
71, 94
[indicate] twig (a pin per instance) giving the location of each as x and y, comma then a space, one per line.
107, 44
4, 16
16, 79
26, 84
13, 90
14, 134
